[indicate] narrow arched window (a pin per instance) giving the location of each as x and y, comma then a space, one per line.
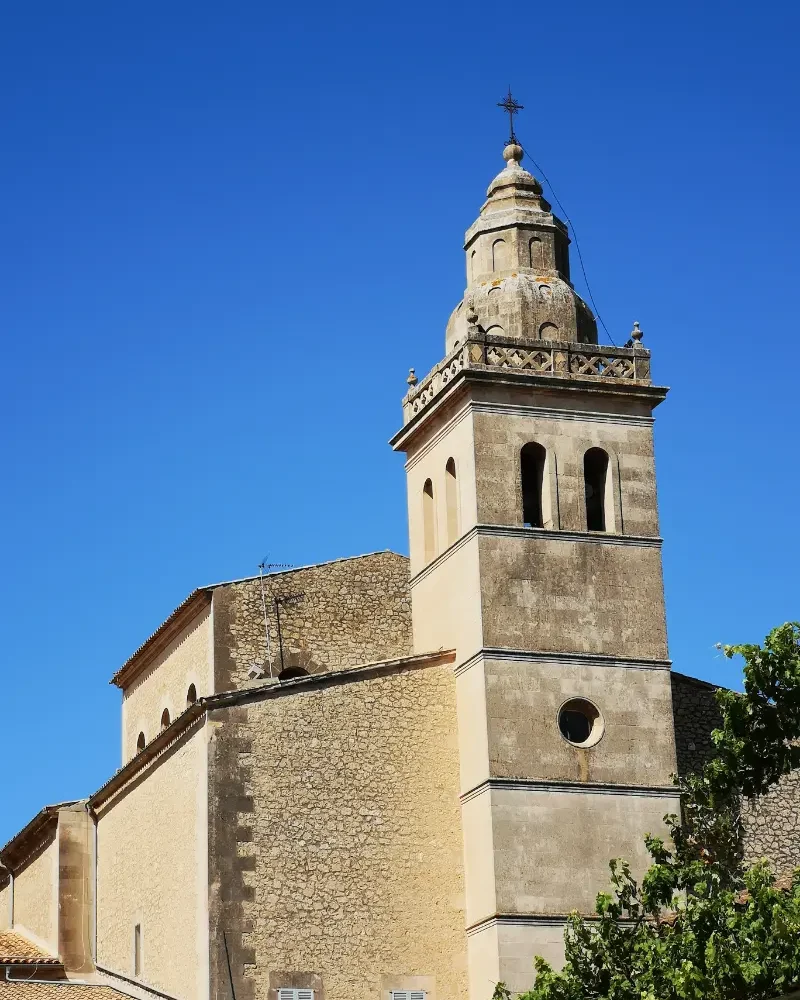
499, 255
595, 477
473, 265
140, 743
191, 696
165, 718
536, 256
428, 520
533, 462
451, 499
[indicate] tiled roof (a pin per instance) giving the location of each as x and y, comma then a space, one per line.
60, 990
17, 950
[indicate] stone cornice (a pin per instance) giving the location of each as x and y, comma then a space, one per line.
551, 534
555, 413
567, 658
572, 787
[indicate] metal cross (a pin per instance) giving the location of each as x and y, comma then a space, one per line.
512, 107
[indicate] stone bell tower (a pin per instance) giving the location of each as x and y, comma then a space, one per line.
535, 553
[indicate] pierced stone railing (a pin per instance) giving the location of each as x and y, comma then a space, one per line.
590, 363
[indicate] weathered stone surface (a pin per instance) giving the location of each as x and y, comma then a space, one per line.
353, 842
351, 611
772, 821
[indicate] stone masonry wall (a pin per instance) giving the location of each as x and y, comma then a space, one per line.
336, 842
152, 870
165, 683
352, 611
36, 896
696, 714
772, 822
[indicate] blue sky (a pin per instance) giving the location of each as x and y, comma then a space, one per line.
229, 230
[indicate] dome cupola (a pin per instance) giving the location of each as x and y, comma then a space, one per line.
518, 266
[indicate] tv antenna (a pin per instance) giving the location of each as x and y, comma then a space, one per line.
268, 566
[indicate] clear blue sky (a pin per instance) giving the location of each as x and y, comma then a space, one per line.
228, 231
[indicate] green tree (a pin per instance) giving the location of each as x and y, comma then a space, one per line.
701, 925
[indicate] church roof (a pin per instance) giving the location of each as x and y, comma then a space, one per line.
59, 989
17, 950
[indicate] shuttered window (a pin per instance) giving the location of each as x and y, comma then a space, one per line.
408, 994
295, 994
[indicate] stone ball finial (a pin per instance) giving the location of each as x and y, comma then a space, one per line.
412, 378
636, 335
513, 152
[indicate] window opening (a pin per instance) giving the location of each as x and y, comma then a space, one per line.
408, 994
291, 672
536, 256
140, 743
191, 696
499, 255
291, 993
533, 459
165, 718
428, 521
451, 499
595, 473
137, 950
580, 723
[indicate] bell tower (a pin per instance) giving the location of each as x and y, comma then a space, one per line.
535, 553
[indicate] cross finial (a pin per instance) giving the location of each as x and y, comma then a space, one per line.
511, 106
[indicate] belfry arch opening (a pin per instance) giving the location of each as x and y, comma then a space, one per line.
535, 494
499, 255
595, 482
165, 720
451, 499
141, 742
191, 696
536, 254
428, 521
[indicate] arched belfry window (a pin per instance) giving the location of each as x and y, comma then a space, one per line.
140, 743
165, 718
428, 521
537, 254
451, 499
191, 696
499, 255
595, 481
533, 474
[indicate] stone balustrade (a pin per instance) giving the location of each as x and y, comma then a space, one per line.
591, 363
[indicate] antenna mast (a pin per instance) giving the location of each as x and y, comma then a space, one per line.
261, 566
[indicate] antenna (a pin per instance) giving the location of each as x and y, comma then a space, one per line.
264, 565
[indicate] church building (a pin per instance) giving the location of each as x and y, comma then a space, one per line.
391, 778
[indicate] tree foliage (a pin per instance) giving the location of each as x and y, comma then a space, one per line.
701, 925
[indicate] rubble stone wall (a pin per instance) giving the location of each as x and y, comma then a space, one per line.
336, 841
333, 615
772, 822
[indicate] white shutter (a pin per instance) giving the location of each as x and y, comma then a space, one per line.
295, 994
408, 994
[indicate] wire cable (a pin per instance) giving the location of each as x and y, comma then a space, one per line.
575, 239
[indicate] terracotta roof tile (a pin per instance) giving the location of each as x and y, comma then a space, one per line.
61, 990
15, 949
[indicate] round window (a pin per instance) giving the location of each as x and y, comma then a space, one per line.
580, 722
